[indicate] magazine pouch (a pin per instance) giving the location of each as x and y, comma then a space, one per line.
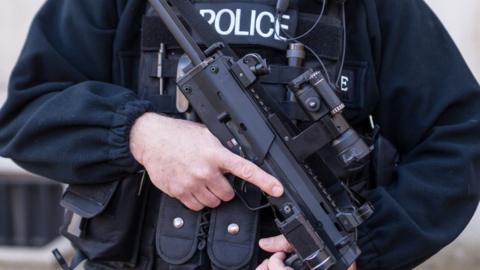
233, 233
177, 235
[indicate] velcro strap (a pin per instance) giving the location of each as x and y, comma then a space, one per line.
155, 32
281, 74
326, 38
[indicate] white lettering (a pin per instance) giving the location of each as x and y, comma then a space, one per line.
238, 24
259, 24
344, 83
210, 12
232, 22
279, 26
252, 23
228, 22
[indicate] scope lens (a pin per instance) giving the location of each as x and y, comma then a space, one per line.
350, 147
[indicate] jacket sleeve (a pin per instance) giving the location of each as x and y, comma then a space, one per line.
62, 118
430, 110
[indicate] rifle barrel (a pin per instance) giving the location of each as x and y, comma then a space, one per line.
177, 29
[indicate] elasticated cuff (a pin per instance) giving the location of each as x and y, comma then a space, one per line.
119, 136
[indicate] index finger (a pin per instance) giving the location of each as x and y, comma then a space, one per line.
251, 173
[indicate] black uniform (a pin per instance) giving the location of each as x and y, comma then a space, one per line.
73, 98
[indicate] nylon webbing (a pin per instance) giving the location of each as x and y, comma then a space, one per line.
198, 24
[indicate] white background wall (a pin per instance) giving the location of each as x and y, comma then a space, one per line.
15, 19
461, 18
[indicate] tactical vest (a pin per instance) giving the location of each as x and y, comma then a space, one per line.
99, 219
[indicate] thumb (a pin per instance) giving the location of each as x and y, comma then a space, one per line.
275, 244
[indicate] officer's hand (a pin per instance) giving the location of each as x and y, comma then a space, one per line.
276, 262
185, 161
280, 247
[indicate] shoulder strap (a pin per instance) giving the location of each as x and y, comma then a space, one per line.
197, 23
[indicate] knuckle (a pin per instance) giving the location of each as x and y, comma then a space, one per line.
204, 172
187, 204
271, 185
211, 201
228, 194
214, 203
247, 171
190, 205
177, 192
197, 207
189, 185
217, 202
210, 174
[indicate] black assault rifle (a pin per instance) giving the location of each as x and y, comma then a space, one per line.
224, 92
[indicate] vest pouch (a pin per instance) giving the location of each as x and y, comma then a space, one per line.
233, 232
104, 221
181, 236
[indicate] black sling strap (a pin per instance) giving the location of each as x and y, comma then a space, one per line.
198, 24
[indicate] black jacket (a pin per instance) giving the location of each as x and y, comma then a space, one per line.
72, 101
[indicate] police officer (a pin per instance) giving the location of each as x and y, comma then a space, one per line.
80, 110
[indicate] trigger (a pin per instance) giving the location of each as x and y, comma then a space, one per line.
250, 195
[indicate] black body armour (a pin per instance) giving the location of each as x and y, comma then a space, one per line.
226, 237
126, 225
